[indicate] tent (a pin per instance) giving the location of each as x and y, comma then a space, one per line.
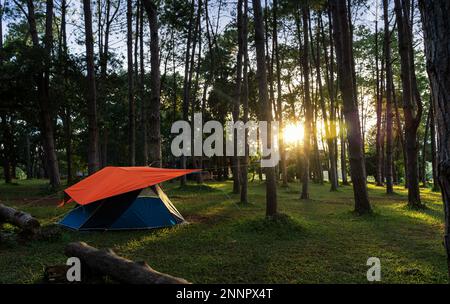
119, 198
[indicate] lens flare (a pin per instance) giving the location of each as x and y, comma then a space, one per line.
293, 133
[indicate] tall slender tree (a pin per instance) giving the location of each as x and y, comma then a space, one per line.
5, 127
67, 106
155, 86
144, 101
307, 102
244, 99
389, 91
42, 84
344, 55
263, 97
131, 105
186, 84
279, 104
329, 73
379, 107
412, 105
93, 156
327, 124
237, 97
436, 26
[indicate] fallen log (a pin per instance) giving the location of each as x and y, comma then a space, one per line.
118, 268
20, 219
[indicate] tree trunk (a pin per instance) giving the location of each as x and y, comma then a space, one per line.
193, 81
329, 137
110, 16
66, 115
400, 132
436, 26
433, 149
412, 106
343, 44
46, 124
283, 166
155, 87
131, 105
6, 165
29, 169
244, 99
423, 164
389, 92
135, 59
236, 104
6, 149
93, 155
307, 104
329, 70
186, 83
343, 141
144, 101
263, 97
379, 107
120, 269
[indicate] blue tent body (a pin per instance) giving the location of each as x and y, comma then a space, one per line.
140, 209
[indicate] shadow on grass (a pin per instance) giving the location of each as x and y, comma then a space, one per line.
276, 228
195, 188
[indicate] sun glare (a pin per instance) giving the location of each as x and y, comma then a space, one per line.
293, 133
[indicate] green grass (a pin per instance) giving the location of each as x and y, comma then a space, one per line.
320, 241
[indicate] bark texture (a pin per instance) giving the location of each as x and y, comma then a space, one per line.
343, 43
45, 106
20, 219
93, 155
436, 26
120, 269
154, 130
263, 98
389, 90
412, 105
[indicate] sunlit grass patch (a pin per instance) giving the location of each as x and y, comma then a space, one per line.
318, 240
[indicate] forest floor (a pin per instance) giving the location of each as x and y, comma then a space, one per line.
320, 241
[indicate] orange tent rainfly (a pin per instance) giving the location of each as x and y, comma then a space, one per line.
123, 198
112, 181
